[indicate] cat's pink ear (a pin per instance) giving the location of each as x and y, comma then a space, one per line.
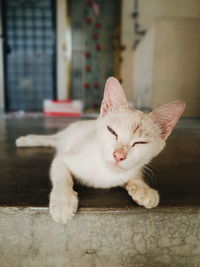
114, 96
167, 116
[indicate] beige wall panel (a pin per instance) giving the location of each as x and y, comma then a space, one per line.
177, 63
149, 10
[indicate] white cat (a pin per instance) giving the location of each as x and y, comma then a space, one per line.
107, 152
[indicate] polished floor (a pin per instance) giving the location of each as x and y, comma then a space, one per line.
24, 172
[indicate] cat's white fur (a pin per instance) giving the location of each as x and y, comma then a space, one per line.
90, 153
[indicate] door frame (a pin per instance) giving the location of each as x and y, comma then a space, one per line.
63, 50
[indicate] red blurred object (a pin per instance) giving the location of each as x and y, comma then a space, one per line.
95, 37
88, 20
69, 108
95, 105
87, 54
86, 86
98, 48
98, 25
96, 85
89, 2
88, 68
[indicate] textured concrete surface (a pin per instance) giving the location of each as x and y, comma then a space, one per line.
107, 238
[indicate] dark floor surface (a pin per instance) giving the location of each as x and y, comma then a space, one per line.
24, 172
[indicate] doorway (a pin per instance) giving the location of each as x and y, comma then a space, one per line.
29, 53
96, 50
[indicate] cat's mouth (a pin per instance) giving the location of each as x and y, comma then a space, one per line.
116, 165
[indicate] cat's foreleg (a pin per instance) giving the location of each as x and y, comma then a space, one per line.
141, 192
36, 140
63, 199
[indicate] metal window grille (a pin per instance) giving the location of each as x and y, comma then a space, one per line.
29, 31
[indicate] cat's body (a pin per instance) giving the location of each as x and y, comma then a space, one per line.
107, 152
80, 152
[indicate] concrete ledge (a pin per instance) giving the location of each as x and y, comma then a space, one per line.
159, 237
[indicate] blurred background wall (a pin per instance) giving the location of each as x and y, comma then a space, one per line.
148, 12
65, 49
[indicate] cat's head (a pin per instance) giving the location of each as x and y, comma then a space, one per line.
130, 138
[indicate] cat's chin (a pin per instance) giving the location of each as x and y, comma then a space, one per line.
116, 166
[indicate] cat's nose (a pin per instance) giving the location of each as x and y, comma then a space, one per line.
119, 155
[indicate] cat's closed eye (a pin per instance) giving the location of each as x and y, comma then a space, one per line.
112, 131
139, 143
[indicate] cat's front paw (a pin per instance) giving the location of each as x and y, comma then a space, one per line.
144, 196
63, 207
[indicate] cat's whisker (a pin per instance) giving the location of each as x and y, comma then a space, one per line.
150, 175
153, 166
